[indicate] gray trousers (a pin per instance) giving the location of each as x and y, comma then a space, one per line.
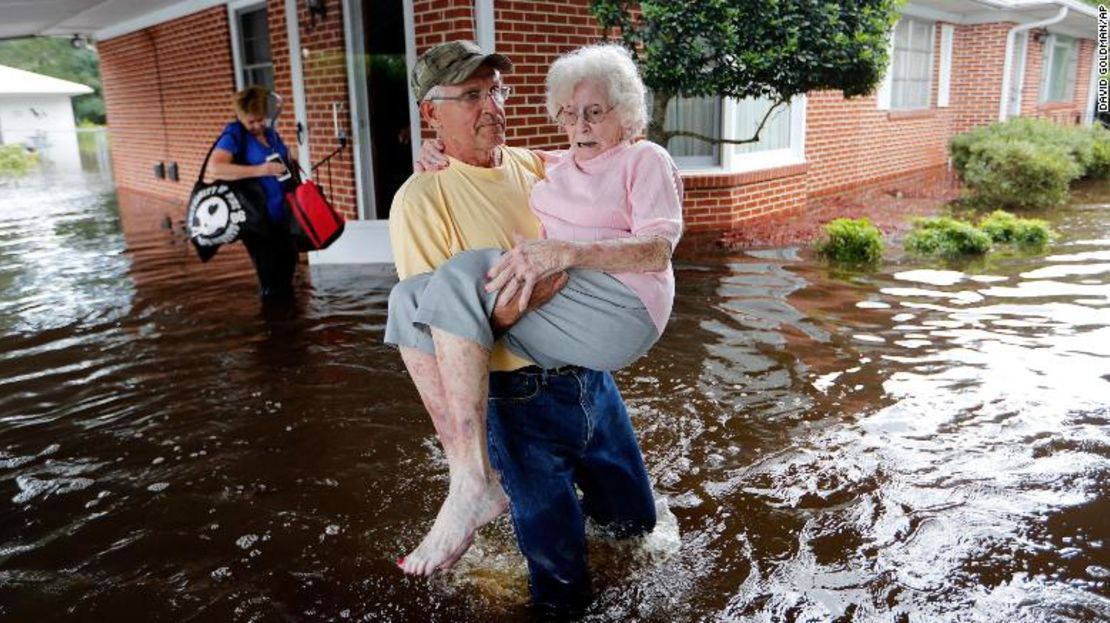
594, 322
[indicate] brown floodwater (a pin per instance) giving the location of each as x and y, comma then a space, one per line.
926, 442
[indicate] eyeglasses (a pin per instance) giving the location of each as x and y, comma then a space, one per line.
475, 97
593, 114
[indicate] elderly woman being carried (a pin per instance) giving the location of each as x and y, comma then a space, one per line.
611, 211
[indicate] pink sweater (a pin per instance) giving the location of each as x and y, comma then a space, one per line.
630, 190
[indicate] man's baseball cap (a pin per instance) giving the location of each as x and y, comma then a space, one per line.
451, 63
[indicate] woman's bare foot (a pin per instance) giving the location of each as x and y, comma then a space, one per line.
471, 503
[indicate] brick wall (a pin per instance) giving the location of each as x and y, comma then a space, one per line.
167, 90
978, 58
534, 38
532, 34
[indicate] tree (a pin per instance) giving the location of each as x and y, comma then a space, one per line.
750, 48
52, 56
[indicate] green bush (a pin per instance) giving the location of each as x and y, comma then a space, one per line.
1020, 174
1078, 142
1100, 152
1005, 228
1028, 163
946, 237
852, 241
15, 160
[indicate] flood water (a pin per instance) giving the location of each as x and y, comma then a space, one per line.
923, 443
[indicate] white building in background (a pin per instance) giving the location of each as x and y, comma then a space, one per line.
37, 111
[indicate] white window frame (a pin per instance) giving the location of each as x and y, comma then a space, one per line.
233, 11
1072, 69
734, 162
889, 95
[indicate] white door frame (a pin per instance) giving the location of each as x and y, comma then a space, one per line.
296, 69
410, 62
360, 112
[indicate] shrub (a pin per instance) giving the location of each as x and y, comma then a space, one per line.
1005, 228
1100, 152
1019, 174
16, 160
852, 241
999, 165
1078, 142
947, 237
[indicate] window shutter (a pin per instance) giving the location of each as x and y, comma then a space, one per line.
946, 33
886, 86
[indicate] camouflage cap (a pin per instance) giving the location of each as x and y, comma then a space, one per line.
451, 63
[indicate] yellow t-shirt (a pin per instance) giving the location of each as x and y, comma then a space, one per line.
463, 207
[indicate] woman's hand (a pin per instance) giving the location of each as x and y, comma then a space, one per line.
431, 157
527, 263
273, 168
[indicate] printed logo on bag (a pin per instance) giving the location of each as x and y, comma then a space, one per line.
215, 214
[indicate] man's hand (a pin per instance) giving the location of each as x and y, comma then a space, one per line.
522, 267
506, 313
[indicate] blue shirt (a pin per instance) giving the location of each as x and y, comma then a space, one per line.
256, 153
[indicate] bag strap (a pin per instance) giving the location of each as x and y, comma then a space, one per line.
239, 153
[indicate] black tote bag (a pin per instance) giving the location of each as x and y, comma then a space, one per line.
222, 211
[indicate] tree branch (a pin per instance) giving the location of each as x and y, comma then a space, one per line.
728, 141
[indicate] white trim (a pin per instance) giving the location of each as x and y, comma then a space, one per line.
484, 25
1092, 89
233, 10
296, 70
947, 31
236, 55
929, 14
1015, 106
154, 18
410, 62
360, 113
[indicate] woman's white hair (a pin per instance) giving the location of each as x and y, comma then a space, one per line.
611, 66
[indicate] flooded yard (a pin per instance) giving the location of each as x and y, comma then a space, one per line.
926, 442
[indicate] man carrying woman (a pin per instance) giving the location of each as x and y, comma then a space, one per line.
611, 212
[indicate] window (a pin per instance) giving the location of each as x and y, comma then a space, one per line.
695, 114
1060, 64
781, 142
253, 60
912, 64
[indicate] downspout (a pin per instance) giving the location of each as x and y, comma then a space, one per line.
1007, 65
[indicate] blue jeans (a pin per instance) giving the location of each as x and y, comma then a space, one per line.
548, 432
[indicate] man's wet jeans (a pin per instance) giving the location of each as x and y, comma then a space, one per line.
548, 432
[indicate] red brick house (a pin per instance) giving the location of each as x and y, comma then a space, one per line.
170, 67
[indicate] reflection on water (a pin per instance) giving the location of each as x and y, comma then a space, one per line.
926, 443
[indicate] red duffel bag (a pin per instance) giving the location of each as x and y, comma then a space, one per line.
313, 222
